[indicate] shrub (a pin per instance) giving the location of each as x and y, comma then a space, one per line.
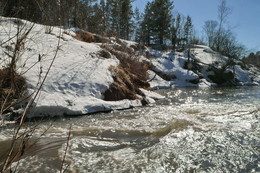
221, 77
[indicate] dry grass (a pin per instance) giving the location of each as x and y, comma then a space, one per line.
90, 37
129, 76
136, 67
121, 88
11, 87
125, 86
128, 60
85, 36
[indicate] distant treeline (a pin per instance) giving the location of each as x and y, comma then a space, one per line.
253, 58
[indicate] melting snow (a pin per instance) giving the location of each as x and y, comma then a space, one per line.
79, 75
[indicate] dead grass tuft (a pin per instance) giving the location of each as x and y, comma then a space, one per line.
85, 36
11, 87
131, 63
136, 66
122, 87
129, 76
126, 85
90, 37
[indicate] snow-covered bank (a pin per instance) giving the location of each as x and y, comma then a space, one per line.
77, 79
80, 74
205, 68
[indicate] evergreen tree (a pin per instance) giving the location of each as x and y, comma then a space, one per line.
25, 9
95, 19
105, 17
176, 31
137, 25
161, 19
173, 34
126, 16
188, 27
114, 10
157, 21
121, 15
146, 25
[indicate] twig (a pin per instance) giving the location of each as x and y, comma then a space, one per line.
65, 153
25, 139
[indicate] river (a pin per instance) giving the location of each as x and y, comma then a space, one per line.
191, 130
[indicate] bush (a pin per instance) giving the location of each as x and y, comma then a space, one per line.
221, 77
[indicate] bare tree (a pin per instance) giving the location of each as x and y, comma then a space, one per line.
210, 29
230, 46
223, 13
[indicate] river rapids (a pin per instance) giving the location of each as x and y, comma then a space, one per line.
191, 130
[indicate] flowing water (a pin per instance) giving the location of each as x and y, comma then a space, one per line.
191, 130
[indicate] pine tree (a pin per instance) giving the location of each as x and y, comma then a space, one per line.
176, 31
187, 35
158, 18
137, 25
188, 27
24, 9
146, 25
105, 17
121, 15
95, 19
114, 10
126, 16
162, 18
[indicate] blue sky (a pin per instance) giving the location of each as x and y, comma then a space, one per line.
244, 18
